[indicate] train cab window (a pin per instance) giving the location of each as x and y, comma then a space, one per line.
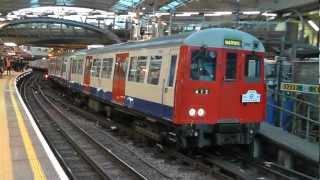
231, 67
252, 68
172, 70
137, 69
154, 70
203, 65
106, 68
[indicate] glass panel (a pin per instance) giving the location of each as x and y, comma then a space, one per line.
137, 69
172, 69
95, 69
231, 66
80, 67
107, 68
252, 68
154, 70
203, 65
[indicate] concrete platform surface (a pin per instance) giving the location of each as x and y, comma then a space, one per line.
291, 142
24, 153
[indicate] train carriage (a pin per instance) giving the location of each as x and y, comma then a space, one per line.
208, 85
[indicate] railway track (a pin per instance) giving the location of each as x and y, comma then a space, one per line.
218, 166
91, 144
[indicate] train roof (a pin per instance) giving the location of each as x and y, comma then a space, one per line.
213, 37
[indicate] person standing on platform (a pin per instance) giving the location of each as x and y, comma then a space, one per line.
8, 65
1, 66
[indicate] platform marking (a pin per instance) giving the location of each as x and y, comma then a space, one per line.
34, 162
5, 152
61, 173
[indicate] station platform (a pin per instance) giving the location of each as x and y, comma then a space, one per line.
24, 153
290, 142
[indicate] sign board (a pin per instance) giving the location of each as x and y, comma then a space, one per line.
251, 97
303, 88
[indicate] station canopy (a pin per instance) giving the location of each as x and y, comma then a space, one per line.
122, 6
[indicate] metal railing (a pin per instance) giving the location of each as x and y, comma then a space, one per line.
304, 115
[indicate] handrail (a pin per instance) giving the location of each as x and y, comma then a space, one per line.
295, 114
290, 97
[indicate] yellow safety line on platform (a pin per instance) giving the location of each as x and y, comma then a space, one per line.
37, 170
5, 153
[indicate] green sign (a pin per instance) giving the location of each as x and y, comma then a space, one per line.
304, 88
232, 42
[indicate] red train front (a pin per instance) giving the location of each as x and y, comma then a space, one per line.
220, 94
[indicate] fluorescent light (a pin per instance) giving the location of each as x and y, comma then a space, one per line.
251, 12
94, 46
188, 14
269, 14
10, 44
221, 13
180, 15
313, 25
162, 13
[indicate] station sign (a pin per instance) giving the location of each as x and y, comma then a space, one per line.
303, 88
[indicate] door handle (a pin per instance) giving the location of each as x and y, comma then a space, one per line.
166, 89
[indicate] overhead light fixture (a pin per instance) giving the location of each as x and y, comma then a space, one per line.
287, 14
313, 25
219, 13
162, 14
269, 14
10, 44
251, 12
188, 14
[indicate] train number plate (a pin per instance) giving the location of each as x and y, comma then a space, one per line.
251, 97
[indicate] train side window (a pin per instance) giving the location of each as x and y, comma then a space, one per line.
203, 65
64, 66
172, 70
96, 66
252, 68
231, 66
154, 70
137, 69
106, 68
79, 66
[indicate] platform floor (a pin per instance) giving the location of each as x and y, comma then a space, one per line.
24, 154
291, 142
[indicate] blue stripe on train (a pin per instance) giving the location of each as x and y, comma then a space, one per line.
148, 107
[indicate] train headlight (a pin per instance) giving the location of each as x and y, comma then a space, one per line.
201, 112
192, 112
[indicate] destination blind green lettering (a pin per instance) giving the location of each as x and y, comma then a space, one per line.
231, 42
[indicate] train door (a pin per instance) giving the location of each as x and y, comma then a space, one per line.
230, 86
168, 87
253, 97
87, 74
119, 78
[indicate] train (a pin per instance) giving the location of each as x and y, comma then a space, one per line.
197, 90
